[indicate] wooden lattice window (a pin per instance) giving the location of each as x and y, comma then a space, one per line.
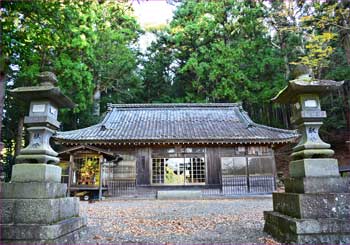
158, 170
196, 168
178, 170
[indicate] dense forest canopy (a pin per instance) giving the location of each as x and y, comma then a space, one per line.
211, 51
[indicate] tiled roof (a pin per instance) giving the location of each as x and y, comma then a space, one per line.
177, 123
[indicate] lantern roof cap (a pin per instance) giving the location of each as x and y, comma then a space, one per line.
304, 84
47, 90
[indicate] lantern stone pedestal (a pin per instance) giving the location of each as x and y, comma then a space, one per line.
315, 208
35, 208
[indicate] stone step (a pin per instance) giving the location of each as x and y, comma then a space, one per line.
172, 194
307, 231
313, 205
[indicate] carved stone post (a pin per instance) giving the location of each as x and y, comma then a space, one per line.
34, 205
315, 207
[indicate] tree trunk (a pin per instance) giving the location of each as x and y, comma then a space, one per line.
285, 116
97, 100
283, 46
19, 136
270, 109
2, 101
346, 39
2, 88
286, 67
346, 45
346, 98
275, 110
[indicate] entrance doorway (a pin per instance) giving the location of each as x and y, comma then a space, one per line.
178, 170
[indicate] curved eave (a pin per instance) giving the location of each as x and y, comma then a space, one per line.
293, 133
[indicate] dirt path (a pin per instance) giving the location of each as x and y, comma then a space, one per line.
177, 222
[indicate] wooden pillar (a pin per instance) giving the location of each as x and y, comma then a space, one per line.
274, 168
100, 182
71, 162
247, 167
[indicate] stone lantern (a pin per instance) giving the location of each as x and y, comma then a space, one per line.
315, 207
44, 102
35, 206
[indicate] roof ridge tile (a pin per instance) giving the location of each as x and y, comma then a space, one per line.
174, 105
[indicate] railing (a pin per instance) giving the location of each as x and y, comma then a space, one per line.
238, 185
121, 187
231, 185
234, 185
262, 184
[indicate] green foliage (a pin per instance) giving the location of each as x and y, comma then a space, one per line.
115, 54
85, 43
228, 51
156, 71
232, 57
214, 51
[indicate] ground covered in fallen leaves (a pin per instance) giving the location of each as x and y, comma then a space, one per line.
238, 220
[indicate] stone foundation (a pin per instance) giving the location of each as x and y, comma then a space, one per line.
307, 231
314, 210
42, 233
38, 212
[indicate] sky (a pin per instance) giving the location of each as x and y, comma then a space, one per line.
153, 12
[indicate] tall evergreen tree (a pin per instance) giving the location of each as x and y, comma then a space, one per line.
87, 44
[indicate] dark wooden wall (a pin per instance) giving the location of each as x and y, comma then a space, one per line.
212, 155
213, 165
143, 166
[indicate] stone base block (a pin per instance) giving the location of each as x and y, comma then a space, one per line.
32, 190
313, 205
317, 185
323, 167
168, 195
307, 231
63, 232
27, 172
38, 211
